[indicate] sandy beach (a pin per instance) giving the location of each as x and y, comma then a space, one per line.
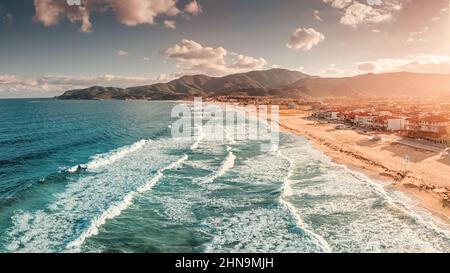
427, 175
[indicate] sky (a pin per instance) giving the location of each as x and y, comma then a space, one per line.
49, 46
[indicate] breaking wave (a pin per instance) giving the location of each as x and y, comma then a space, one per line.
102, 160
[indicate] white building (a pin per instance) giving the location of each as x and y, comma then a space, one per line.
334, 115
396, 124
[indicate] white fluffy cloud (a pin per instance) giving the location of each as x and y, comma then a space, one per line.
305, 38
130, 12
50, 12
241, 62
191, 52
193, 8
137, 12
22, 86
358, 12
193, 57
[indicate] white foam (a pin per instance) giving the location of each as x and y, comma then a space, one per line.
118, 208
226, 165
286, 193
102, 160
356, 213
402, 203
200, 136
229, 138
87, 203
260, 230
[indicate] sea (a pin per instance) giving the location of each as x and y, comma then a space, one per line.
108, 176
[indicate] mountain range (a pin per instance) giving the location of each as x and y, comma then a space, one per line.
278, 83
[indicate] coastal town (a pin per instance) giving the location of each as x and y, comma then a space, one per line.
414, 121
423, 120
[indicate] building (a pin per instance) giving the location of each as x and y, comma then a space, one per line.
327, 114
364, 120
394, 124
389, 123
433, 128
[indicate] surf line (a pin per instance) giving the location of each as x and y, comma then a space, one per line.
102, 160
226, 165
115, 210
397, 203
286, 192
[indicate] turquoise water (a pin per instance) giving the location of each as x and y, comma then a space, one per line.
144, 191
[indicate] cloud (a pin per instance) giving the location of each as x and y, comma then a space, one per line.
305, 38
194, 58
50, 12
418, 64
241, 62
356, 12
193, 8
191, 52
130, 12
137, 12
340, 4
169, 77
367, 67
121, 53
38, 86
316, 15
332, 71
170, 24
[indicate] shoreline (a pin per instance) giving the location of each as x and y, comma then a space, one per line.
417, 183
380, 161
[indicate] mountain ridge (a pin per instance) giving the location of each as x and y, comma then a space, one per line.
278, 83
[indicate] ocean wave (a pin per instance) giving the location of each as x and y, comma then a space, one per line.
118, 208
286, 193
259, 230
83, 206
402, 203
226, 165
102, 160
355, 213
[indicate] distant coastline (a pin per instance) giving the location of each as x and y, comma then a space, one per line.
276, 83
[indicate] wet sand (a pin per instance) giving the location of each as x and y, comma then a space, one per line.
426, 176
